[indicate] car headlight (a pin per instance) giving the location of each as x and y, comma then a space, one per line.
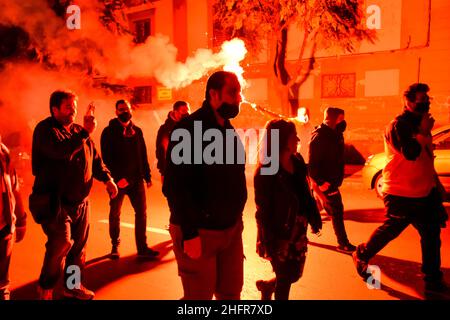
369, 158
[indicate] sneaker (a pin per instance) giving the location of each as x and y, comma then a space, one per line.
79, 294
348, 248
115, 254
148, 254
45, 294
267, 288
361, 265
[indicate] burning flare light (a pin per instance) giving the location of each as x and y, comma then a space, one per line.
233, 52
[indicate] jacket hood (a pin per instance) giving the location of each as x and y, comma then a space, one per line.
169, 120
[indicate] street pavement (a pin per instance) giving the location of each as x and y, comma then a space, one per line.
328, 274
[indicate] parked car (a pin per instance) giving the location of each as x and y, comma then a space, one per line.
373, 168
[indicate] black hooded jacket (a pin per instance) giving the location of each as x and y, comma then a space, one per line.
326, 156
125, 157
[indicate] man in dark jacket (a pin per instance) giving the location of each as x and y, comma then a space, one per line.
125, 154
180, 111
64, 163
12, 217
412, 190
326, 168
207, 200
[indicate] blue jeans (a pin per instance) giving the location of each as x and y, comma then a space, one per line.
67, 235
136, 193
423, 215
335, 209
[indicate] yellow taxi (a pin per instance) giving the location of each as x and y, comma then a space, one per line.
373, 168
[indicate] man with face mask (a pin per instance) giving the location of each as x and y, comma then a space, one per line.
412, 190
125, 154
207, 200
326, 168
180, 110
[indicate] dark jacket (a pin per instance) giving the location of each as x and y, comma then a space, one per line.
400, 134
279, 199
201, 195
326, 156
125, 157
65, 162
162, 137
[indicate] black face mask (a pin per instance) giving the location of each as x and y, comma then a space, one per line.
228, 110
341, 126
422, 107
124, 117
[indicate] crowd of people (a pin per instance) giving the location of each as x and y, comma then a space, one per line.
207, 200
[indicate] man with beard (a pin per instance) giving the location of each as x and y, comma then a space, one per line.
125, 154
207, 200
412, 191
326, 168
64, 163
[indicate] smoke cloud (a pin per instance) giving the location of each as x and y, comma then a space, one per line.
69, 56
113, 56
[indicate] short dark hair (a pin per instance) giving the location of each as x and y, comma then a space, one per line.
58, 96
120, 102
177, 105
410, 93
217, 81
332, 113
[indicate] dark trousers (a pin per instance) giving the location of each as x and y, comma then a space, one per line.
422, 214
67, 236
219, 271
286, 273
136, 194
6, 243
335, 209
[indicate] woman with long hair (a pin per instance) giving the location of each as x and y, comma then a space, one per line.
284, 208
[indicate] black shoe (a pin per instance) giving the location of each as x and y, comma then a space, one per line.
439, 287
348, 248
267, 288
360, 264
115, 254
148, 253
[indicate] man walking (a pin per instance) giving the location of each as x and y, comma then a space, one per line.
412, 190
326, 168
125, 154
207, 198
64, 163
